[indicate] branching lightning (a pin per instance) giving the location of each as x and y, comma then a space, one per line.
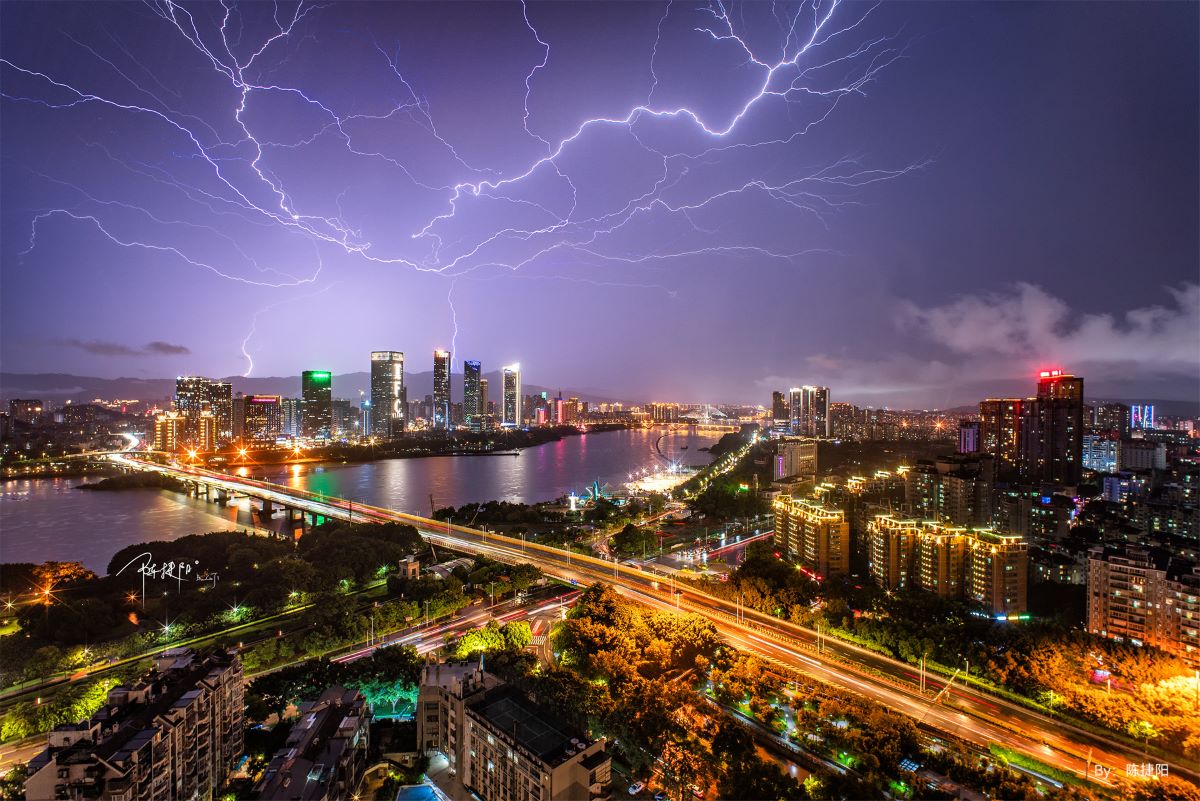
486, 218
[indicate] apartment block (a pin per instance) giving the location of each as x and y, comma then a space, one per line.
502, 746
173, 734
815, 535
326, 751
1145, 597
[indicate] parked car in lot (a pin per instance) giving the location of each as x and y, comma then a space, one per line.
636, 788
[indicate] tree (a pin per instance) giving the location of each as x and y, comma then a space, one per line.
1142, 730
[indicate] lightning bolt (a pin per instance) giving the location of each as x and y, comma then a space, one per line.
811, 73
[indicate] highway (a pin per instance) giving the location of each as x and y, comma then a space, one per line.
964, 711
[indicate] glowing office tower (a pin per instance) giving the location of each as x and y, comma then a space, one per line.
810, 411
441, 390
316, 416
485, 406
511, 414
389, 400
473, 412
220, 403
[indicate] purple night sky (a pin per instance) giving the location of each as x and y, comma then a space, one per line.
911, 203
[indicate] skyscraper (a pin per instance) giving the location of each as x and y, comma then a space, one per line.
441, 389
810, 411
220, 403
1052, 430
317, 412
1000, 434
511, 414
388, 396
472, 411
779, 411
485, 405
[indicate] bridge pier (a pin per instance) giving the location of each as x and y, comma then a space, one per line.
297, 523
268, 509
222, 497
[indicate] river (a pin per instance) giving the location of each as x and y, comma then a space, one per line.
48, 519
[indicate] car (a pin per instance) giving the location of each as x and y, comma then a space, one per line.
636, 788
661, 795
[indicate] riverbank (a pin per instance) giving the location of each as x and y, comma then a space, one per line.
135, 481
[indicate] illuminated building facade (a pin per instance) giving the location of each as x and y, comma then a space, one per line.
511, 414
487, 415
815, 536
953, 489
220, 403
1113, 418
474, 407
1141, 416
389, 398
809, 408
1052, 431
292, 416
168, 431
1000, 434
441, 390
892, 545
977, 565
26, 411
316, 412
794, 457
1099, 453
257, 418
1145, 597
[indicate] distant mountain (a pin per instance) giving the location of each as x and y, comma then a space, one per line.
60, 387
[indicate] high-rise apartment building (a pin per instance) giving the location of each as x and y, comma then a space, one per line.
220, 403
1145, 597
794, 457
953, 489
977, 565
814, 535
293, 414
474, 410
1052, 431
892, 547
809, 408
316, 413
1000, 434
168, 432
389, 399
969, 438
511, 414
1100, 453
27, 411
174, 734
441, 390
780, 418
1113, 418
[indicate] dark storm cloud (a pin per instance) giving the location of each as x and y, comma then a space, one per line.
97, 347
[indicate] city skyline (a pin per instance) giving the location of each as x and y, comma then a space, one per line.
949, 219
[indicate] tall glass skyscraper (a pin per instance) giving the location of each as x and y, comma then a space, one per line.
810, 411
511, 415
472, 413
441, 389
220, 400
317, 411
389, 399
